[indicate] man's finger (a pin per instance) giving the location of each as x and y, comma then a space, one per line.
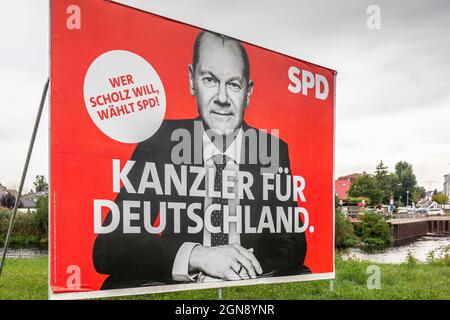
236, 267
231, 275
244, 275
240, 270
249, 254
247, 264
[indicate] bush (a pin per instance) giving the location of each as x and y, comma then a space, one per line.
4, 220
358, 227
21, 239
344, 230
7, 200
375, 227
348, 243
410, 260
29, 228
41, 216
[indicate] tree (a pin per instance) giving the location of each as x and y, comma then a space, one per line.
440, 198
336, 203
381, 171
419, 193
407, 181
392, 187
7, 200
382, 176
366, 186
40, 184
42, 215
401, 184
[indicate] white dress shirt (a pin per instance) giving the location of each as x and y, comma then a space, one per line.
180, 270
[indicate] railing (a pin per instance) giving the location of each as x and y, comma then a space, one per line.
409, 215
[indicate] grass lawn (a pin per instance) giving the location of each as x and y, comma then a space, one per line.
27, 279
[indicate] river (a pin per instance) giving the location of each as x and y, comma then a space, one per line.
419, 249
26, 252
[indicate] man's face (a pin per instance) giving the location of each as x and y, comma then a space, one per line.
219, 84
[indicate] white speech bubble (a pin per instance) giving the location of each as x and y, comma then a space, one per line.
124, 96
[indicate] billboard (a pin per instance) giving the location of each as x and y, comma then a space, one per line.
181, 158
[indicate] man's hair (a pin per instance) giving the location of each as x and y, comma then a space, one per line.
224, 38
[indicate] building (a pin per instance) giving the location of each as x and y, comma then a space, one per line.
11, 191
341, 188
352, 177
342, 184
27, 205
34, 196
29, 201
3, 189
446, 189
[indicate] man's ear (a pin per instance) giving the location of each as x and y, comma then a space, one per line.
191, 80
249, 93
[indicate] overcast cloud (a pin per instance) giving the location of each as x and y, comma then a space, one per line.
393, 100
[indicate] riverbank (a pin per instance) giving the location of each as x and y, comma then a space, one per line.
423, 249
27, 279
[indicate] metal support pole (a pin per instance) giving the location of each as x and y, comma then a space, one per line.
24, 173
219, 293
332, 285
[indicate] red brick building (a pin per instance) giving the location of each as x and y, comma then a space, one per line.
342, 184
341, 187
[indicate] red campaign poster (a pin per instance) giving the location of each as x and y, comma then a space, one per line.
182, 158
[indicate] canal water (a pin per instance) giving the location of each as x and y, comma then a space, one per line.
26, 252
420, 249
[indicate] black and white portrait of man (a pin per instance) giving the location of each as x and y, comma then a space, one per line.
201, 240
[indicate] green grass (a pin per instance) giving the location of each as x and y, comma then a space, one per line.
24, 279
27, 279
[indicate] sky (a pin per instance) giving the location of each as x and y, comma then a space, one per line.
392, 97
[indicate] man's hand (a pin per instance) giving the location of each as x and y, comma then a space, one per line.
230, 262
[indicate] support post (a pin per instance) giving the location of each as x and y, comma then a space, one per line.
219, 293
332, 285
24, 174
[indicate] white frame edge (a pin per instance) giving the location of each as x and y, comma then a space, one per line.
185, 287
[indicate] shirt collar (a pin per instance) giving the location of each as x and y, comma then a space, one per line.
233, 152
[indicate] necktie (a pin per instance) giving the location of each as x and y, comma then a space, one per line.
220, 238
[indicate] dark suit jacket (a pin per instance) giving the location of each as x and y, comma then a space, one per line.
137, 259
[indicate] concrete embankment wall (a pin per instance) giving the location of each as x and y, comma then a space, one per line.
407, 230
